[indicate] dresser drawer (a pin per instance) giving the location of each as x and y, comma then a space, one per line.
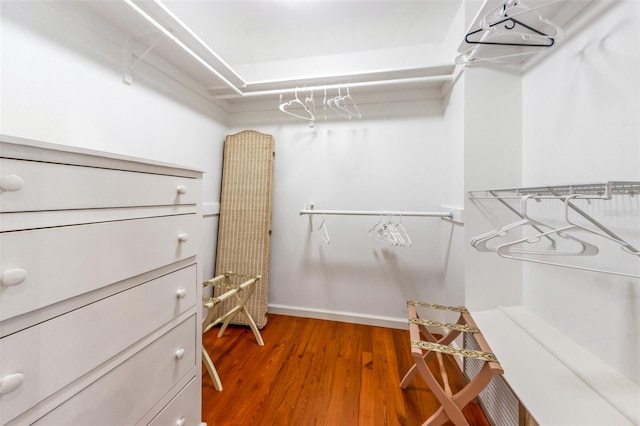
144, 379
54, 353
36, 186
183, 409
44, 266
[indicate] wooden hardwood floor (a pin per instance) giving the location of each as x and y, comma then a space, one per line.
316, 372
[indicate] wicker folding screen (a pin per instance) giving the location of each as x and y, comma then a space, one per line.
244, 230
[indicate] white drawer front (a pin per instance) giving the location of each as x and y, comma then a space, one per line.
125, 394
183, 410
45, 186
44, 266
54, 353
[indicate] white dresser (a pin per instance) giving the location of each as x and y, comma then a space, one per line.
99, 288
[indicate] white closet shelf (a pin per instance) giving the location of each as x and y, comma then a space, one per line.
556, 379
147, 26
565, 193
602, 190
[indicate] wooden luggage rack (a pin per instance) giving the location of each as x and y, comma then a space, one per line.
425, 345
237, 289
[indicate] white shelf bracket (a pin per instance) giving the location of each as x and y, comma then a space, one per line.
129, 59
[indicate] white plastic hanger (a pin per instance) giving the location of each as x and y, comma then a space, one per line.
375, 228
324, 103
348, 104
469, 56
585, 248
384, 236
382, 232
405, 235
335, 104
499, 27
509, 9
390, 233
288, 108
394, 235
573, 226
324, 233
492, 36
505, 250
480, 242
309, 101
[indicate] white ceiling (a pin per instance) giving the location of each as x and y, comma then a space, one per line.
238, 50
264, 45
246, 32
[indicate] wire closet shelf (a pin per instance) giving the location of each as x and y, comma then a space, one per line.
604, 190
566, 194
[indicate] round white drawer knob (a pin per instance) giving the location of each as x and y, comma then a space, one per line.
11, 183
182, 189
181, 421
13, 277
11, 383
181, 293
183, 238
180, 353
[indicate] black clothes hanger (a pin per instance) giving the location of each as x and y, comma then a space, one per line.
512, 23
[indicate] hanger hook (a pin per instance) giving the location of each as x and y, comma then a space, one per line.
513, 24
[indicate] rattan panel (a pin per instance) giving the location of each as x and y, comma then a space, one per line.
244, 230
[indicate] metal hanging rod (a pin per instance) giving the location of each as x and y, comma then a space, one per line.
588, 190
376, 83
448, 215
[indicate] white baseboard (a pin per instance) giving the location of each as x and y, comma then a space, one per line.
374, 320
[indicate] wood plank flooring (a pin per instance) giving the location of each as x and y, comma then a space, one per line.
316, 372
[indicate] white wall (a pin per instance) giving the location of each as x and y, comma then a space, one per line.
454, 244
368, 164
453, 163
61, 83
492, 159
581, 124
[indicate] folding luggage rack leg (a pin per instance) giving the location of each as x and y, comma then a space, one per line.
425, 345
